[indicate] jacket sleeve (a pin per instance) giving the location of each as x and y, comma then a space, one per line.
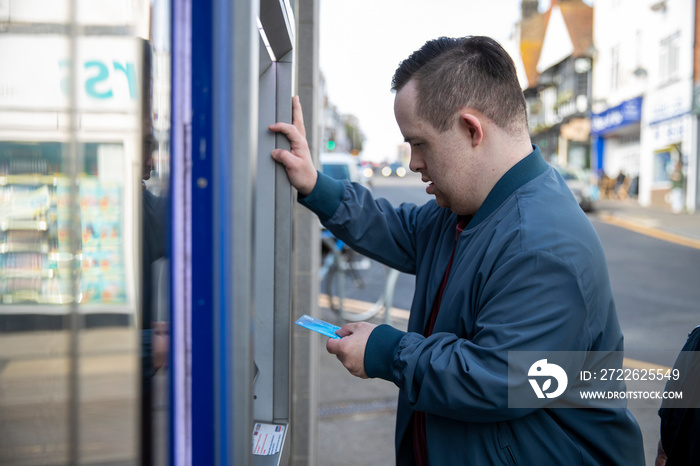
533, 302
372, 227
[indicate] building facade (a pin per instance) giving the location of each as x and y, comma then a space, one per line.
555, 48
642, 91
620, 76
611, 89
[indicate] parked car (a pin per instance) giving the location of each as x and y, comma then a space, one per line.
366, 170
394, 169
579, 183
342, 166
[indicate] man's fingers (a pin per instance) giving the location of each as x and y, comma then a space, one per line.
346, 357
285, 157
296, 130
297, 160
343, 332
298, 116
332, 345
291, 131
297, 140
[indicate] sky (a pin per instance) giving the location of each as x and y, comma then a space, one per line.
362, 43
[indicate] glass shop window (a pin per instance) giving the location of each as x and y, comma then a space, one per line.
84, 186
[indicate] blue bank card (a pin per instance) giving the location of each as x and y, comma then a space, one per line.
318, 325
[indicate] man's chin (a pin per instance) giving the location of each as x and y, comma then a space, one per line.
441, 202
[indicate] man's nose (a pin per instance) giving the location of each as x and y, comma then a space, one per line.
415, 164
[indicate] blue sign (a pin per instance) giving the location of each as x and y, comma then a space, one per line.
626, 113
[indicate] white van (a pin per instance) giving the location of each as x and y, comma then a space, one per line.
342, 166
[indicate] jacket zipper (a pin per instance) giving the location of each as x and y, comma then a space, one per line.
511, 455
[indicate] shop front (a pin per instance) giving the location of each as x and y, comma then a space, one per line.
667, 145
616, 135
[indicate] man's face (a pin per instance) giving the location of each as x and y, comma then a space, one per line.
442, 159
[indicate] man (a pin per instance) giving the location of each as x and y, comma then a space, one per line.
504, 260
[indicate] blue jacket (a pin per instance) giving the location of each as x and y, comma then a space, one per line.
528, 273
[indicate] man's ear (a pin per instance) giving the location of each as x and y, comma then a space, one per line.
473, 125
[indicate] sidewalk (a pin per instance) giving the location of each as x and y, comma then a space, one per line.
653, 221
356, 416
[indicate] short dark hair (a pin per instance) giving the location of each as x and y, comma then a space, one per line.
472, 71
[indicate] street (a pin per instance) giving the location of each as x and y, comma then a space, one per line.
654, 283
655, 286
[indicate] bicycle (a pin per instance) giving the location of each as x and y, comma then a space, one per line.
339, 260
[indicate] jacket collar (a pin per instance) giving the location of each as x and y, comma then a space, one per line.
520, 174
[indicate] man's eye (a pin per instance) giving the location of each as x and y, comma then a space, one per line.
416, 144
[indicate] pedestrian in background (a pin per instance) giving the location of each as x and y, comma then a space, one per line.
504, 258
677, 182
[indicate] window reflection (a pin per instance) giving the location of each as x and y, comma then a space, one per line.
84, 182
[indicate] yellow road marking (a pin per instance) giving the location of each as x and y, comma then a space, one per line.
636, 364
649, 231
358, 307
